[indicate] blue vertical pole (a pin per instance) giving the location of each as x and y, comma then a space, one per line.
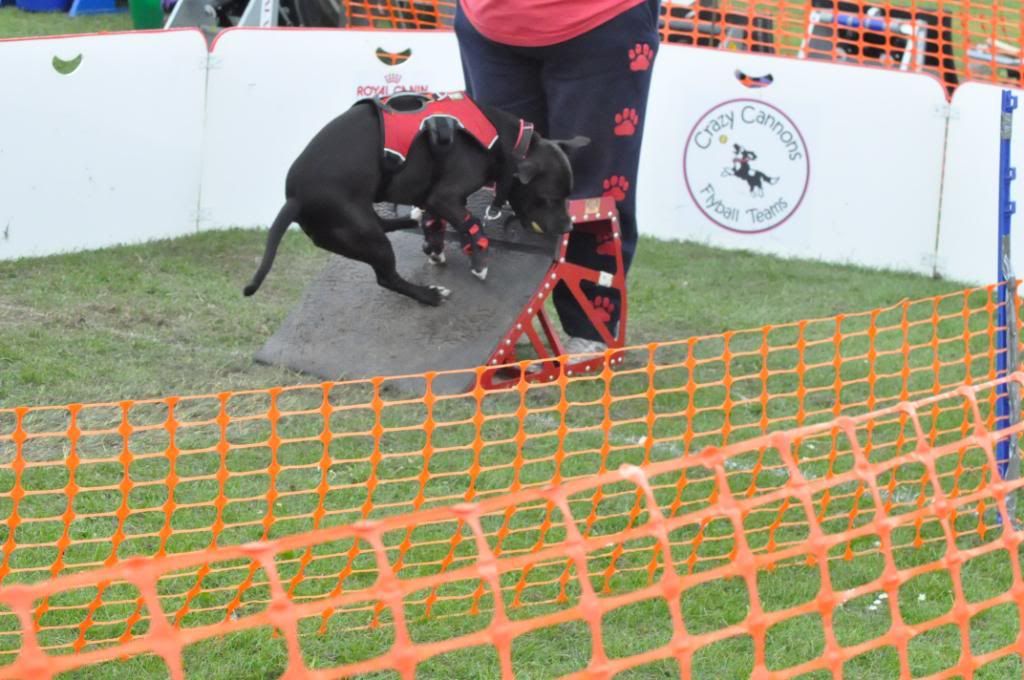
1007, 397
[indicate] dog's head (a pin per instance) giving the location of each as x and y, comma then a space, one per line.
743, 154
543, 184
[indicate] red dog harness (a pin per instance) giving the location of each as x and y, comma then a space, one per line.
404, 116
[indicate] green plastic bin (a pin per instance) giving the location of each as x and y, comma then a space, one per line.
146, 13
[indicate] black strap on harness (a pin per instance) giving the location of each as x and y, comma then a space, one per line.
441, 130
440, 133
503, 187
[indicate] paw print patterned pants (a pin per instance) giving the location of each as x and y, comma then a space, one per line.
594, 85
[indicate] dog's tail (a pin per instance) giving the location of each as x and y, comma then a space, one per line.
289, 211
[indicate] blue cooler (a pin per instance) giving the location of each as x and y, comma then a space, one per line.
43, 5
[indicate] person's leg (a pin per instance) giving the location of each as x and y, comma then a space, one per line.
505, 77
596, 85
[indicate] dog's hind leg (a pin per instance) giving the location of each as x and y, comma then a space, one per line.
383, 264
362, 238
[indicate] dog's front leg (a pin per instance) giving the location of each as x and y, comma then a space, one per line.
474, 241
433, 230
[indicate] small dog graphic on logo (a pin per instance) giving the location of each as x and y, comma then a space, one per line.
741, 168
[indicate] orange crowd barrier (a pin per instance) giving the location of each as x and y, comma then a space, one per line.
956, 40
946, 501
181, 483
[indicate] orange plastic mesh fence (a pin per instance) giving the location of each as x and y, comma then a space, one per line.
779, 521
88, 486
955, 40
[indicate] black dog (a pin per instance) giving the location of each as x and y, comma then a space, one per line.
333, 184
741, 168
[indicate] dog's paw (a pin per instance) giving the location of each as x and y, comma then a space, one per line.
416, 213
480, 273
442, 292
437, 258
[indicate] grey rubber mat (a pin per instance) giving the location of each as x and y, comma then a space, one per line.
348, 327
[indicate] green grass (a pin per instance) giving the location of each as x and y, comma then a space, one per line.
168, 318
15, 23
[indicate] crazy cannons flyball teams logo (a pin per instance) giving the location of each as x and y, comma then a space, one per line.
746, 166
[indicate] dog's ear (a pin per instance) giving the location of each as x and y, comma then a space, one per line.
574, 144
526, 170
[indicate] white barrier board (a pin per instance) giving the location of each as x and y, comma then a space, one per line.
100, 140
968, 234
120, 138
828, 162
272, 90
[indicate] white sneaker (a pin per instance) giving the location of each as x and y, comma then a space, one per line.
584, 346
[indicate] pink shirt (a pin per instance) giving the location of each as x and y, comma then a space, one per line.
538, 23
